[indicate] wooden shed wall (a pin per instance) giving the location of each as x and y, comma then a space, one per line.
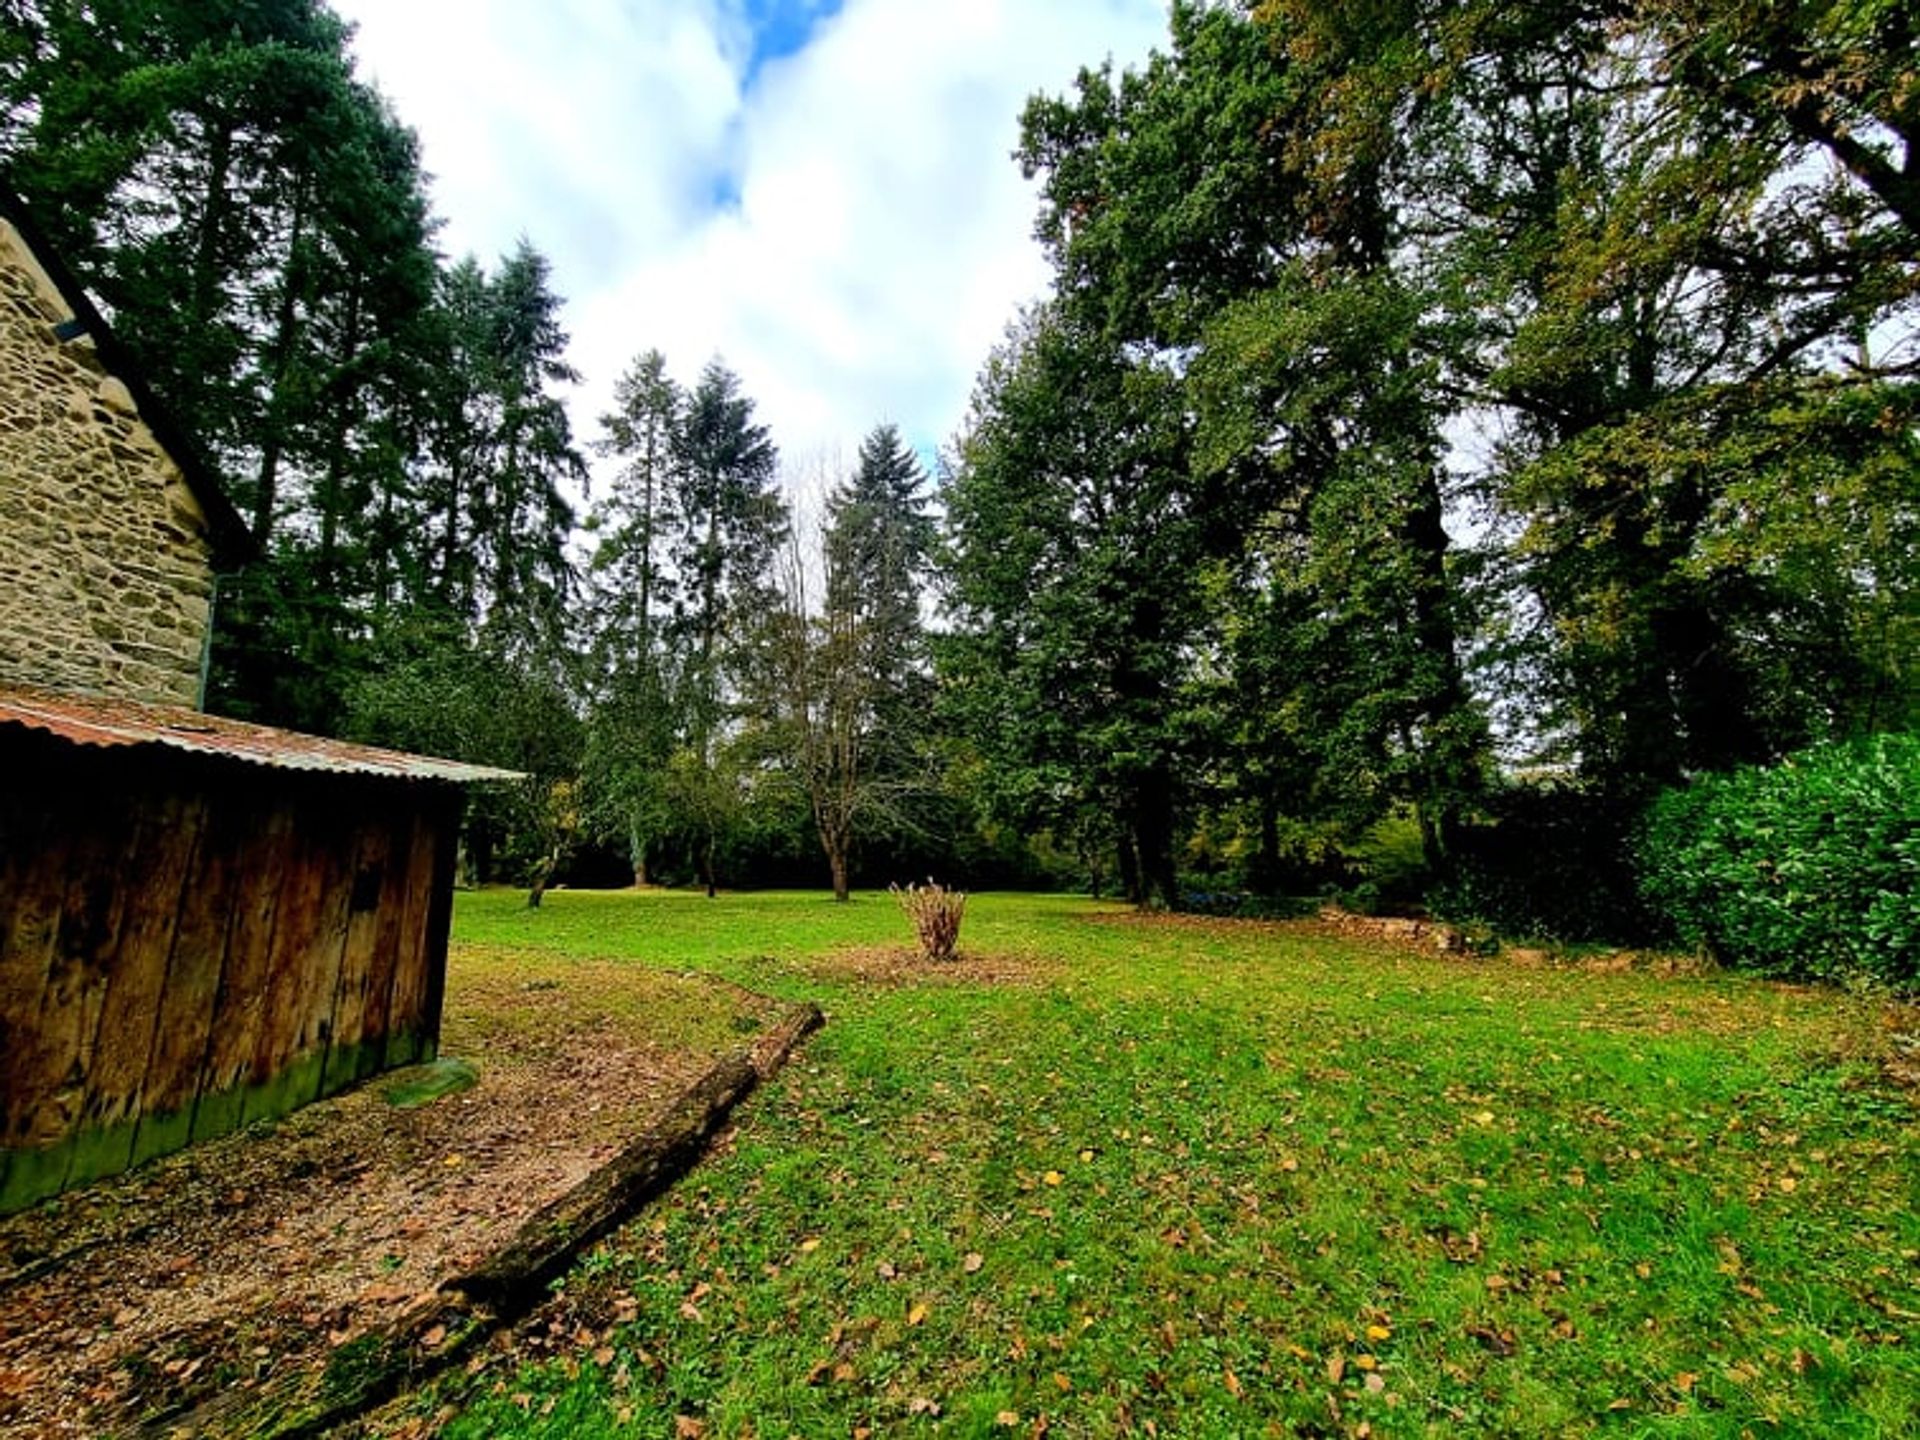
189, 944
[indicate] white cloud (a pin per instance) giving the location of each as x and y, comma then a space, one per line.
881, 236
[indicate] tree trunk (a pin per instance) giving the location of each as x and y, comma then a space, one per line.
1153, 840
1128, 863
837, 861
285, 322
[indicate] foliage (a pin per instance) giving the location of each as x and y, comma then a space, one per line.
935, 913
1807, 868
1550, 862
1219, 1176
1075, 564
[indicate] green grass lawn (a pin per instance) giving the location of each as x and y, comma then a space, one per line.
1193, 1179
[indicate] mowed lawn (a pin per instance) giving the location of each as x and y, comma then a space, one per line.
1128, 1176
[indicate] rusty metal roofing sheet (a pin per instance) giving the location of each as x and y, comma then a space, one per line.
98, 720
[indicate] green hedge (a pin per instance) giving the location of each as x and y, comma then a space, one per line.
1808, 868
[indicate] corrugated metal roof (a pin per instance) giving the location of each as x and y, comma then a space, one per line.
98, 720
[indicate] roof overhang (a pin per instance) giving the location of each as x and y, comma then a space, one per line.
100, 722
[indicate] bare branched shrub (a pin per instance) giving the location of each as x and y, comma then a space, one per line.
935, 912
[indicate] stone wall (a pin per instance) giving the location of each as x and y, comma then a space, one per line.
105, 566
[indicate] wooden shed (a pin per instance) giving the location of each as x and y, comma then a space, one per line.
203, 923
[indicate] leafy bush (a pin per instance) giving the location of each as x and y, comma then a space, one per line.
936, 913
1807, 868
1549, 863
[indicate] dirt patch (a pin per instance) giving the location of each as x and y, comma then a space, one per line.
267, 1253
894, 966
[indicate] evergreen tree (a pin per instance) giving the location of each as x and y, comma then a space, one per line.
633, 721
729, 523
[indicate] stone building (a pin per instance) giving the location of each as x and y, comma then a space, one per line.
202, 923
110, 527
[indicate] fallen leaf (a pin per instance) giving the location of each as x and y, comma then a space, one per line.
885, 1270
1788, 1184
1232, 1382
918, 1314
1376, 1382
973, 1262
1086, 1157
1337, 1367
810, 1244
1379, 1332
920, 1405
1053, 1177
1007, 1419
685, 1427
1685, 1381
843, 1372
1365, 1362
433, 1337
1485, 1117
1500, 1342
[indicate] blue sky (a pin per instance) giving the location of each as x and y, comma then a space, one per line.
818, 191
781, 28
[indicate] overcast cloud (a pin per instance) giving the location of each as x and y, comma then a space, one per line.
822, 195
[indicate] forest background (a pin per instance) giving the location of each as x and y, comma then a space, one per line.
1451, 430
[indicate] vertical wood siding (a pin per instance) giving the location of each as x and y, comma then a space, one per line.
189, 945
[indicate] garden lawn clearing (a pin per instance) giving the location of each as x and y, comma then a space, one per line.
253, 1262
1143, 1177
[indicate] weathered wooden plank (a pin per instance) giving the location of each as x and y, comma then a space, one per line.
192, 989
32, 894
388, 941
371, 892
283, 1075
116, 1065
407, 1007
239, 1019
91, 846
445, 811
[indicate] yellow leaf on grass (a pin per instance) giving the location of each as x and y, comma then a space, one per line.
1006, 1419
810, 1244
1233, 1385
973, 1262
918, 1314
1053, 1177
1379, 1332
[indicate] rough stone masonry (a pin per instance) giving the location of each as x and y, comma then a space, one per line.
106, 573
